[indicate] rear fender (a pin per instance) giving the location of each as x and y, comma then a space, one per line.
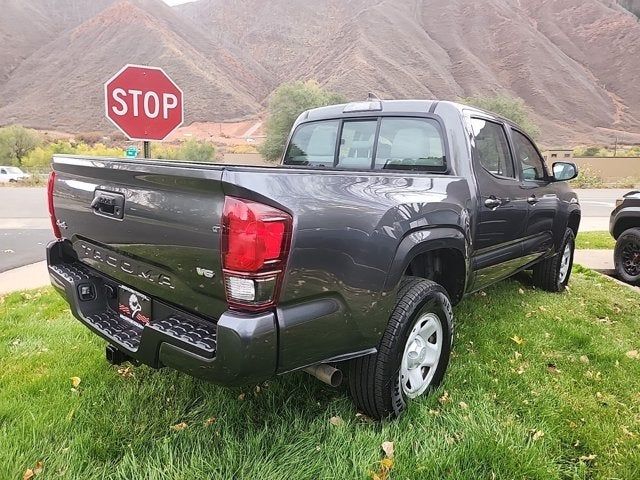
421, 241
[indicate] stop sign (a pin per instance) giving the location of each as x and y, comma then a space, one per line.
143, 102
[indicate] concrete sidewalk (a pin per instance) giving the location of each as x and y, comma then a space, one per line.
601, 260
24, 278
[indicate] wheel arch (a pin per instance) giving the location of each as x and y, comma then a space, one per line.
626, 219
423, 253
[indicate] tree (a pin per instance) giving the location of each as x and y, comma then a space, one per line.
193, 150
16, 142
286, 104
508, 107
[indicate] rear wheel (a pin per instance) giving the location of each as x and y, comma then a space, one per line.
627, 256
413, 354
553, 273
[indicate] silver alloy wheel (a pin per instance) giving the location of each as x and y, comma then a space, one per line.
564, 262
421, 355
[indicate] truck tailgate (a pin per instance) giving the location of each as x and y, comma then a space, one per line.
167, 243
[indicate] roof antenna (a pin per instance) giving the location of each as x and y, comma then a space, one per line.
372, 97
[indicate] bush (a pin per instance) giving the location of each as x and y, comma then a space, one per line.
164, 151
16, 142
41, 156
508, 107
286, 104
588, 178
197, 151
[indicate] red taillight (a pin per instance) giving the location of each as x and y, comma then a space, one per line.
52, 212
255, 244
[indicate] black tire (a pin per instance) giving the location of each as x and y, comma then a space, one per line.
547, 275
374, 380
626, 256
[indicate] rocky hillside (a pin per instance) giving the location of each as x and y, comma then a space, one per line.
574, 62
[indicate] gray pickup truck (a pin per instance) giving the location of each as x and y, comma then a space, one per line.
346, 257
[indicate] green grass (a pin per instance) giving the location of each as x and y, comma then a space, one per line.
570, 378
595, 241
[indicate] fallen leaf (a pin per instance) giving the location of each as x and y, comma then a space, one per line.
517, 340
179, 427
521, 291
517, 355
336, 421
444, 398
386, 464
125, 372
32, 472
209, 421
258, 389
633, 354
75, 382
463, 405
387, 448
588, 458
536, 435
363, 418
584, 359
542, 308
241, 397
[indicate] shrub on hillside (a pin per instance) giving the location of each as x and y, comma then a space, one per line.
16, 142
197, 151
287, 102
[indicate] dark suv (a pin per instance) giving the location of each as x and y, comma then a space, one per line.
625, 228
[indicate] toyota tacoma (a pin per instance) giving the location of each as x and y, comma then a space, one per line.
347, 257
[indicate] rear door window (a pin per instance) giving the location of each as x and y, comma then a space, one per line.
356, 144
528, 157
313, 144
492, 148
410, 144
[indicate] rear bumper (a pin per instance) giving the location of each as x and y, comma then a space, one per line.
237, 349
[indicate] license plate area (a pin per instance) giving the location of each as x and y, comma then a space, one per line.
134, 306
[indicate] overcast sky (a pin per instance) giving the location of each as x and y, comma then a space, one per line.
177, 2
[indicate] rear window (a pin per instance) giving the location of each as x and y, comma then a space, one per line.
410, 144
313, 144
402, 144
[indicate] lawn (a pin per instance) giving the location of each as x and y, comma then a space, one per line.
595, 241
540, 386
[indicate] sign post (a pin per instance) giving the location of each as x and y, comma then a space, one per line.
144, 104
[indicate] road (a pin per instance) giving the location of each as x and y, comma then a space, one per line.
25, 227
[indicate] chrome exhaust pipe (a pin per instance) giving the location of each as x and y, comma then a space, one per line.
325, 373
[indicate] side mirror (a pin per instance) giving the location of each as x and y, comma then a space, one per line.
564, 171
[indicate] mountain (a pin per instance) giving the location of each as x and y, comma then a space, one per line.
26, 26
574, 62
61, 84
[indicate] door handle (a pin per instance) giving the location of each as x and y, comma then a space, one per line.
532, 200
492, 202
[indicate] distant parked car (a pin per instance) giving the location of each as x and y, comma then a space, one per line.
625, 228
12, 174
